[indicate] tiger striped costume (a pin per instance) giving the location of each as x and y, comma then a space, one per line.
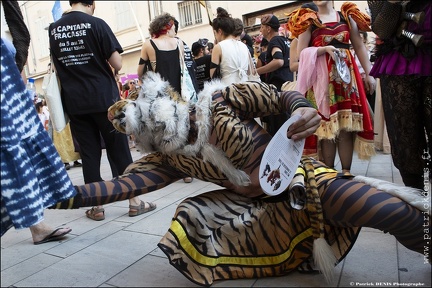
238, 232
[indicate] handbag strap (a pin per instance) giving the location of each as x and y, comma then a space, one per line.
181, 56
51, 66
252, 68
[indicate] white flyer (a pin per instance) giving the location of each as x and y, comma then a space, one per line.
280, 160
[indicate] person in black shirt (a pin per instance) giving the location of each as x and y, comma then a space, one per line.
202, 59
262, 58
277, 67
85, 51
278, 53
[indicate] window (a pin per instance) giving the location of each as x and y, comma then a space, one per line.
41, 43
124, 17
190, 13
157, 8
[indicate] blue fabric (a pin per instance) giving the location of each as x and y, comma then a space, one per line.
32, 174
57, 11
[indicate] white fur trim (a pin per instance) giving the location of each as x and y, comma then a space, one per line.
324, 258
209, 152
412, 196
217, 157
160, 123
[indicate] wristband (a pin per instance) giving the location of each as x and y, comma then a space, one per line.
300, 102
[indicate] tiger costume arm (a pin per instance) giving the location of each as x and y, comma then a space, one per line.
258, 99
230, 107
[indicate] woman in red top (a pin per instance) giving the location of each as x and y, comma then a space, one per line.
346, 123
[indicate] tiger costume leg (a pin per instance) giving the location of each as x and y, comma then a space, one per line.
348, 203
220, 235
123, 188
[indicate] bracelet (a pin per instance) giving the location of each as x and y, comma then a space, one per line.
300, 102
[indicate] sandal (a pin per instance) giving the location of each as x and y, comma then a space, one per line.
92, 213
141, 209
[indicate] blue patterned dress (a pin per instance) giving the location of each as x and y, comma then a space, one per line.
32, 174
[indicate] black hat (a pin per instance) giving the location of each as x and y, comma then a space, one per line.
196, 46
203, 41
84, 2
270, 20
310, 5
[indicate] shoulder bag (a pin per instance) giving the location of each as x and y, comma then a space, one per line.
188, 92
252, 71
51, 87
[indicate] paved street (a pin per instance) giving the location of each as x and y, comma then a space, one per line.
121, 251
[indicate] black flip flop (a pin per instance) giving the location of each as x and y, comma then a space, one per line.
52, 237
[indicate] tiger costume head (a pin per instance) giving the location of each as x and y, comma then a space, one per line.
159, 120
158, 117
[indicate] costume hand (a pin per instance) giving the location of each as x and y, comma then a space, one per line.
370, 84
306, 125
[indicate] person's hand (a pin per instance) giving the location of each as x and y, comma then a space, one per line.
370, 84
332, 51
307, 124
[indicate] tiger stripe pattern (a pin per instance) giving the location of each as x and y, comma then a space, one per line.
221, 235
224, 235
255, 237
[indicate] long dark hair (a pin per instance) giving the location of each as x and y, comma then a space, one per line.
18, 30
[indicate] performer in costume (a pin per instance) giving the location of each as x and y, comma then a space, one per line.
237, 231
404, 69
324, 39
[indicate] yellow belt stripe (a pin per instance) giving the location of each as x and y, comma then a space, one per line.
224, 260
69, 206
317, 171
71, 201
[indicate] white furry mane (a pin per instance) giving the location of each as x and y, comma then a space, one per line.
159, 119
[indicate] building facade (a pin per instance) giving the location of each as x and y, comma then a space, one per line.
129, 21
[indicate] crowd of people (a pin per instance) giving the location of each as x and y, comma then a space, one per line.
333, 97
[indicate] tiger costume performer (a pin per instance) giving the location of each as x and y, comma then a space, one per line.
238, 231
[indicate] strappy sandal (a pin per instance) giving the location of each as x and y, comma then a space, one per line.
141, 209
91, 213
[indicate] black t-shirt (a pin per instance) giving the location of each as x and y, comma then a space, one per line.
203, 70
263, 58
283, 74
80, 45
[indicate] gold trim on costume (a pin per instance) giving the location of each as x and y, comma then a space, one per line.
190, 249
